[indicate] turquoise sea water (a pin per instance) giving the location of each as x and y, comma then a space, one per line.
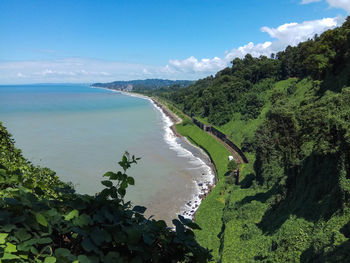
82, 132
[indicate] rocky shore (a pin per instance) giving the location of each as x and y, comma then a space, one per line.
172, 116
205, 187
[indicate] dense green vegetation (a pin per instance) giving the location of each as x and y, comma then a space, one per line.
144, 85
44, 220
291, 115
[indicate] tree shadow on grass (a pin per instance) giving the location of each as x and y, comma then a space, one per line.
335, 82
329, 253
340, 253
247, 181
260, 197
312, 193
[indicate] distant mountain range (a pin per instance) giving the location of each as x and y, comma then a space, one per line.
143, 84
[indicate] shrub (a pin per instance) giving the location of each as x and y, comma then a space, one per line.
232, 165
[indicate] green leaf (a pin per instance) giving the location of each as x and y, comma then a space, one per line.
139, 209
192, 225
10, 248
131, 181
121, 191
8, 228
40, 219
83, 259
45, 240
3, 237
88, 259
148, 239
9, 256
107, 183
50, 260
133, 235
114, 176
112, 257
82, 220
22, 234
34, 251
108, 174
97, 236
64, 255
188, 222
111, 175
180, 229
72, 214
24, 256
124, 184
88, 245
161, 224
26, 245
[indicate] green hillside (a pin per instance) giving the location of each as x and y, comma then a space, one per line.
147, 84
291, 115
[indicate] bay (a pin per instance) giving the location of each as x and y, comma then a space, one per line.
81, 132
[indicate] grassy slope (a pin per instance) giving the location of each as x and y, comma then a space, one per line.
228, 229
230, 214
243, 239
209, 214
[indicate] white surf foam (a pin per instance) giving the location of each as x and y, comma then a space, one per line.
201, 184
205, 180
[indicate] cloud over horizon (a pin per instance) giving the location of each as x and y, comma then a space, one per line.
82, 70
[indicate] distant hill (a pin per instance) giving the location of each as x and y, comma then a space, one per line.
143, 84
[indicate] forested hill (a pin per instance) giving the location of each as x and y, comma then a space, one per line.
290, 113
144, 84
236, 89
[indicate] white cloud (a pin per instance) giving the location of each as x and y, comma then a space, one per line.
343, 4
284, 35
304, 2
192, 64
91, 70
20, 75
294, 33
78, 70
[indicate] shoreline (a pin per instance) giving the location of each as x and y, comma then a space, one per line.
203, 188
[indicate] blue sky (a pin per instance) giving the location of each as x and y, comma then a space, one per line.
87, 41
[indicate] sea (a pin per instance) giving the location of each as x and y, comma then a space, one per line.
82, 132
